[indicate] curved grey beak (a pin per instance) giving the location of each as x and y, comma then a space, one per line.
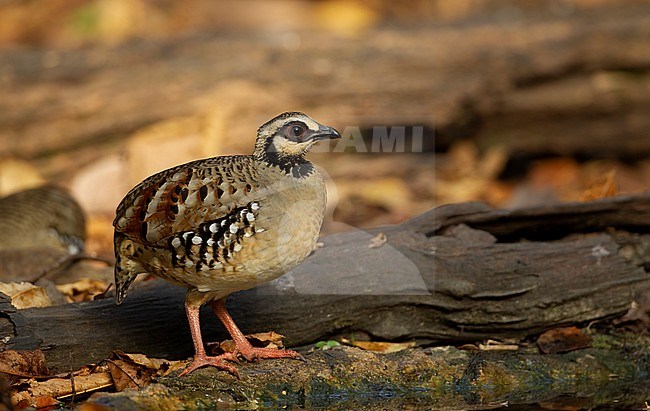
325, 133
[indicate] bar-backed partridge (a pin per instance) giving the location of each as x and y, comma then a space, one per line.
46, 216
41, 231
225, 224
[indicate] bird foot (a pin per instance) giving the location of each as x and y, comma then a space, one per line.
219, 361
251, 353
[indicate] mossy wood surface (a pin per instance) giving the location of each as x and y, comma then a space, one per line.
441, 378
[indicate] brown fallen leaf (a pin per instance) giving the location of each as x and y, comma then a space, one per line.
25, 364
269, 339
44, 402
604, 186
160, 365
126, 374
136, 371
26, 295
85, 289
5, 397
559, 340
378, 240
382, 346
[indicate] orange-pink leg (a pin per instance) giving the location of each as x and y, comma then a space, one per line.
200, 357
244, 347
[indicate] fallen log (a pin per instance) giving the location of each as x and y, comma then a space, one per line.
454, 274
439, 378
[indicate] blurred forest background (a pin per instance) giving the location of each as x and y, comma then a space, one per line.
520, 102
517, 103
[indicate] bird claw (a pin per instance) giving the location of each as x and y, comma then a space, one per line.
217, 361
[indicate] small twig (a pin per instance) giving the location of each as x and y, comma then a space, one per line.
23, 375
73, 389
103, 293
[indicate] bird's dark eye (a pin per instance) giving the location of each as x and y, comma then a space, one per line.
296, 131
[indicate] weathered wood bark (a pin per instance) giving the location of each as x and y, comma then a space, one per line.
528, 80
435, 279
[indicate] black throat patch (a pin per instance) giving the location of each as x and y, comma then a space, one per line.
296, 165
